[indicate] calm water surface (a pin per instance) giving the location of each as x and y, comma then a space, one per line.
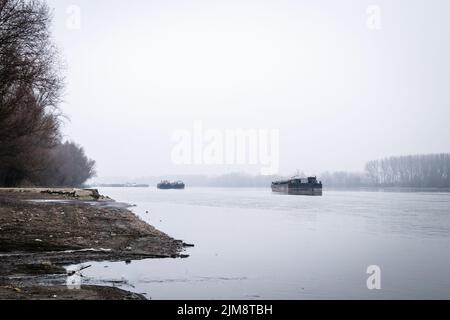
252, 244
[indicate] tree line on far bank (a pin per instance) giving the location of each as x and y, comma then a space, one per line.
413, 171
32, 151
432, 170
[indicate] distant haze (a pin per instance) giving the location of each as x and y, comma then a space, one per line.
339, 92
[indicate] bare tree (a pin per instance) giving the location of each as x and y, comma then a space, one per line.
30, 91
68, 166
30, 88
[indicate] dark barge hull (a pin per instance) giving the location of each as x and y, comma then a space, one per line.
170, 187
304, 191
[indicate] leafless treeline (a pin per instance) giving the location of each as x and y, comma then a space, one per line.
431, 170
31, 150
414, 171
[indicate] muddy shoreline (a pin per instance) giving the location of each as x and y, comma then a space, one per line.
41, 232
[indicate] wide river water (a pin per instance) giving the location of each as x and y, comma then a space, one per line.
253, 244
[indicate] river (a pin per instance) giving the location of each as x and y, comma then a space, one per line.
253, 244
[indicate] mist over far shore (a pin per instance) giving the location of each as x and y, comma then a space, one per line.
339, 92
413, 171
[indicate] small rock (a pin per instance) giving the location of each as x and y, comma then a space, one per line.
38, 240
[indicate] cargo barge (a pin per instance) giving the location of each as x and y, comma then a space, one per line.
167, 185
299, 186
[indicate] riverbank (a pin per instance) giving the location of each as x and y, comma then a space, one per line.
44, 230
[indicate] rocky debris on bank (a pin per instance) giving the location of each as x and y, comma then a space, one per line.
65, 193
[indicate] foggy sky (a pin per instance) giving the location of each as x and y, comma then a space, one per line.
339, 93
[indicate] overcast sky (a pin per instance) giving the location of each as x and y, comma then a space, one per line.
343, 85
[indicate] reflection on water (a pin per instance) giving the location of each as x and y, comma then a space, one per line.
252, 244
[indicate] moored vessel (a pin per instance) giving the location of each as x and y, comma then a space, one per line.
299, 186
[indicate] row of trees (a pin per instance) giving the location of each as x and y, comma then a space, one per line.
31, 147
413, 171
431, 170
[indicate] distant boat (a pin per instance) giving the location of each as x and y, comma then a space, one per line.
123, 185
136, 185
299, 186
167, 185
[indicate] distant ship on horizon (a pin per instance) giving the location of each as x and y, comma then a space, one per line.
121, 185
167, 185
